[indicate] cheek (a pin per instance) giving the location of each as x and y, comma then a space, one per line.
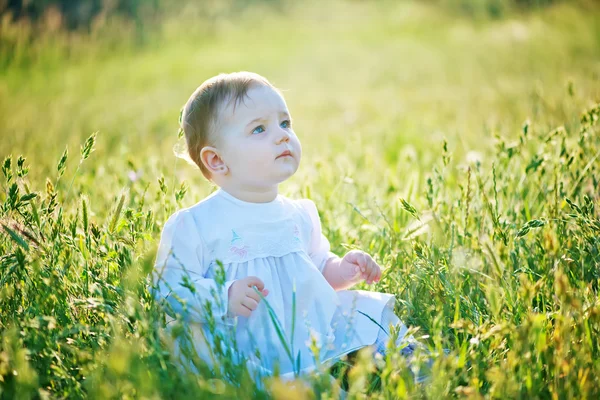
297, 146
253, 156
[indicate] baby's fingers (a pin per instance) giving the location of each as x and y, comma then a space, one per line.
374, 270
250, 303
254, 295
244, 311
254, 281
378, 276
238, 308
351, 272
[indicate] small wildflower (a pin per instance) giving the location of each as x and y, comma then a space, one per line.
474, 157
133, 176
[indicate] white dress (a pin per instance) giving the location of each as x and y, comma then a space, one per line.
281, 243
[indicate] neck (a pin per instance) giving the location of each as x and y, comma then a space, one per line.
252, 195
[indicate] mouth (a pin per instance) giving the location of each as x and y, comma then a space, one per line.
286, 153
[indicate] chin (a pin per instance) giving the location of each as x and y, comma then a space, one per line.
286, 175
283, 178
283, 171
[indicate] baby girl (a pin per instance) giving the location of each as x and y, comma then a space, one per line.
262, 254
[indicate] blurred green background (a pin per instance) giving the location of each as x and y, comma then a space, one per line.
384, 77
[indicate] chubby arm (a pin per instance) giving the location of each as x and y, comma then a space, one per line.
343, 273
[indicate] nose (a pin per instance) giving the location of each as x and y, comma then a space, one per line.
283, 135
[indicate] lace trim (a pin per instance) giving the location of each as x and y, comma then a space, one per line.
239, 250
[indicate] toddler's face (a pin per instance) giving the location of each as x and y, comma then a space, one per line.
256, 140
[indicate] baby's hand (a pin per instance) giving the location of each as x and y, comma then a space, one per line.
242, 297
357, 265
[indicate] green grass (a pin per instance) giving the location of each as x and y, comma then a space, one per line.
391, 103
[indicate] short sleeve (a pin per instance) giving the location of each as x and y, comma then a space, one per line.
319, 249
180, 272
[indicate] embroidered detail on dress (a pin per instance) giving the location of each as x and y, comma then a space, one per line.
239, 251
235, 238
247, 243
237, 246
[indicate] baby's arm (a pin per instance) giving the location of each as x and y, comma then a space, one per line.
180, 272
343, 273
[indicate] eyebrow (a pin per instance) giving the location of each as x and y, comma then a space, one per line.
284, 113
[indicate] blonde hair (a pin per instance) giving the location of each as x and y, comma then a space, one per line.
199, 115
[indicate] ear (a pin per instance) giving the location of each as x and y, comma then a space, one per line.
212, 161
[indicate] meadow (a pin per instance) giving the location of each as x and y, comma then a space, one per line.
461, 151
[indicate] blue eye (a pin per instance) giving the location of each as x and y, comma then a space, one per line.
262, 129
287, 123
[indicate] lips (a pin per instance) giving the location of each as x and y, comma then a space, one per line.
285, 153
